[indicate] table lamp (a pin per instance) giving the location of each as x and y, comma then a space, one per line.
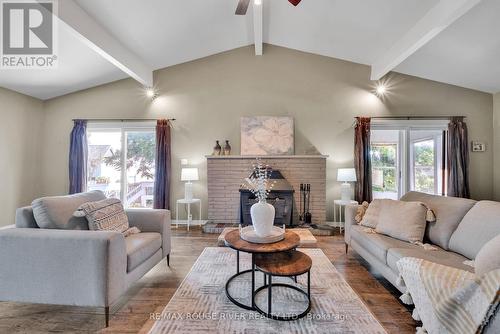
189, 174
346, 175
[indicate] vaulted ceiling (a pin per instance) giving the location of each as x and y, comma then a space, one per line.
400, 35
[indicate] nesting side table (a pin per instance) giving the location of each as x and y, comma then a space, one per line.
340, 203
285, 264
234, 241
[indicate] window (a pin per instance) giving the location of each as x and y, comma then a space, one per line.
426, 161
385, 149
407, 156
384, 170
121, 162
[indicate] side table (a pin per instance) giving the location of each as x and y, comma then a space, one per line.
234, 241
188, 202
285, 264
340, 203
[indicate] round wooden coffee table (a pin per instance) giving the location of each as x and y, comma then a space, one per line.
233, 240
285, 264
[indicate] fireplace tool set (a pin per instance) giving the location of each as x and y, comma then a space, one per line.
305, 200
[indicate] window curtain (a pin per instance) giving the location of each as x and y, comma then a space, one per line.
78, 152
362, 160
458, 158
163, 165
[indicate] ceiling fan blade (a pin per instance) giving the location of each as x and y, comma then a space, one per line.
294, 2
242, 7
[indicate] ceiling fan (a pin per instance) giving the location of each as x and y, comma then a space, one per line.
243, 6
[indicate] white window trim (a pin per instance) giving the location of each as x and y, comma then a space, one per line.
387, 124
129, 126
123, 128
405, 126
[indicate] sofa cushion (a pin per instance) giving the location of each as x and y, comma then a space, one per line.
438, 256
488, 257
141, 247
402, 220
480, 225
377, 244
449, 212
57, 211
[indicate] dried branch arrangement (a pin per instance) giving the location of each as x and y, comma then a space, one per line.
259, 183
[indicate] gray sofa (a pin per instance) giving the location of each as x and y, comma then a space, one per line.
78, 267
461, 228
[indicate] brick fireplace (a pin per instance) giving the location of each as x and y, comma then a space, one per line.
226, 173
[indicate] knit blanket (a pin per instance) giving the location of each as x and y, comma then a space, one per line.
449, 300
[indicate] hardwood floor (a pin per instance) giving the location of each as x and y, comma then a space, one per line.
153, 291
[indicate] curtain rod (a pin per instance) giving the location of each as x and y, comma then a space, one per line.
121, 119
416, 117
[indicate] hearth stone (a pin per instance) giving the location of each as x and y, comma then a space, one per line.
322, 230
216, 228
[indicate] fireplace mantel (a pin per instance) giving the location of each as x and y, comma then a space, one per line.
266, 156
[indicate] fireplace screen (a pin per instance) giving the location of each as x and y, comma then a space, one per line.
281, 197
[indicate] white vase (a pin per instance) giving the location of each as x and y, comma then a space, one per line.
262, 218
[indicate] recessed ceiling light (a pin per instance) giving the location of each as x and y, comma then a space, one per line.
257, 2
381, 89
151, 93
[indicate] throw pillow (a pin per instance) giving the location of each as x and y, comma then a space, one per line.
371, 216
449, 212
487, 259
361, 211
402, 220
105, 215
130, 231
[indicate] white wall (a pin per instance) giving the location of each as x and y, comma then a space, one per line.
208, 96
21, 128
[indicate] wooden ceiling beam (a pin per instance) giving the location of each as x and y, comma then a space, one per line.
257, 26
437, 19
89, 31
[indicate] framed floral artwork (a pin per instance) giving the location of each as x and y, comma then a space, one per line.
267, 135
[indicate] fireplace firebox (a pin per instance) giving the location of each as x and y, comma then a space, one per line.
280, 196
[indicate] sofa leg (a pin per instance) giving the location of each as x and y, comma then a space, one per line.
106, 315
346, 248
168, 260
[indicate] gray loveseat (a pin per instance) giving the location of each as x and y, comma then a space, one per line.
462, 227
78, 267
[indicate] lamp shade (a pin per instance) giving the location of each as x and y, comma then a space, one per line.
346, 175
189, 174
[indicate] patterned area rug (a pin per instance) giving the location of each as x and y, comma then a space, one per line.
200, 304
